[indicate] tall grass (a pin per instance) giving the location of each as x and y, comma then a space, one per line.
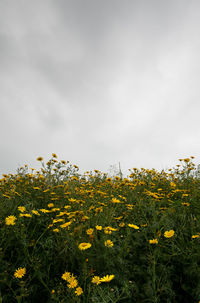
66, 237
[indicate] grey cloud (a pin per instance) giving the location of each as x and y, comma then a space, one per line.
99, 81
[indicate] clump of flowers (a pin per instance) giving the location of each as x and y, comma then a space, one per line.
61, 214
72, 282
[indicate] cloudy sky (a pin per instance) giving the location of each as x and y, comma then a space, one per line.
99, 82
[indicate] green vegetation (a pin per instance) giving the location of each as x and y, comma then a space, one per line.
66, 237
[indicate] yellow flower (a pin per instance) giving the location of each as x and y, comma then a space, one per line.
72, 282
90, 231
109, 229
72, 200
114, 200
10, 220
98, 227
96, 280
122, 224
55, 209
20, 272
66, 224
66, 276
153, 241
119, 218
43, 210
107, 278
83, 246
195, 236
54, 155
39, 159
113, 229
25, 215
133, 226
169, 233
129, 206
61, 213
159, 233
6, 195
35, 212
53, 291
99, 210
58, 220
108, 243
56, 230
50, 205
46, 190
84, 218
78, 291
22, 208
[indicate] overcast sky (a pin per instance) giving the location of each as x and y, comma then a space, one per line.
99, 82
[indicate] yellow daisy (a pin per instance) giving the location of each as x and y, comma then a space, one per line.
66, 276
39, 159
169, 233
90, 231
10, 220
107, 278
96, 280
133, 226
108, 243
78, 291
72, 282
98, 227
84, 246
22, 208
20, 272
153, 241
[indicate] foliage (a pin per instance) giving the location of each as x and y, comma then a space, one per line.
99, 238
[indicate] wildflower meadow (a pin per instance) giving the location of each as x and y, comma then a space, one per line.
95, 238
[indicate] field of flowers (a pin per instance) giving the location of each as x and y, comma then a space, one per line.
92, 238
